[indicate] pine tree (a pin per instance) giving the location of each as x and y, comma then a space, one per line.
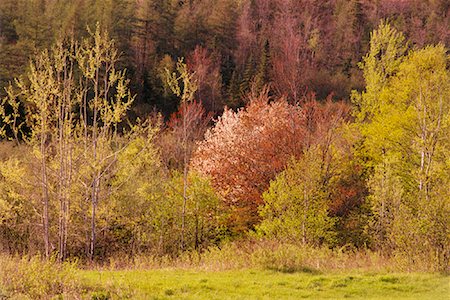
263, 70
247, 77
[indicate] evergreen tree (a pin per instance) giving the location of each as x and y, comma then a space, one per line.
247, 77
263, 69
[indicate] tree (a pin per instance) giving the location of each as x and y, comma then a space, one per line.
289, 63
423, 83
138, 207
403, 120
386, 193
387, 48
171, 139
246, 149
101, 114
151, 224
201, 211
296, 205
263, 70
184, 86
17, 217
75, 100
206, 70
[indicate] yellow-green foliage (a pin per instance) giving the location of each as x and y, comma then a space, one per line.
37, 278
16, 209
75, 101
12, 174
296, 205
152, 223
387, 47
202, 208
403, 116
181, 82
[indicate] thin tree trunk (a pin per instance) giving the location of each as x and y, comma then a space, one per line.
196, 227
44, 186
93, 215
305, 196
185, 174
61, 181
94, 192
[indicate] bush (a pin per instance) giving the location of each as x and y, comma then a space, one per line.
36, 278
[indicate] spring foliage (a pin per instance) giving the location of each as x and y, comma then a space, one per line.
82, 176
405, 134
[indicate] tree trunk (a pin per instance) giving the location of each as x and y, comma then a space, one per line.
185, 174
44, 186
93, 215
45, 217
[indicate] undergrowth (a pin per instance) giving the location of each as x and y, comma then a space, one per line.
37, 278
272, 255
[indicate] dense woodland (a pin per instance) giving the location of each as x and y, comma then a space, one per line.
158, 127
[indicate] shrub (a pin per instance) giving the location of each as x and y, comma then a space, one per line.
37, 278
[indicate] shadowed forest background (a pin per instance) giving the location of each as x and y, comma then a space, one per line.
160, 127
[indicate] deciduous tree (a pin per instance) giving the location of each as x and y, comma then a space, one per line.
248, 148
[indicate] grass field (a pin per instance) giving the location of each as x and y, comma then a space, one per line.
262, 284
236, 273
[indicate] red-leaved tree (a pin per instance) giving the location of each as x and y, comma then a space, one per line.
171, 139
206, 73
246, 149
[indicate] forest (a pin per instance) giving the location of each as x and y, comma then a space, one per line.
172, 131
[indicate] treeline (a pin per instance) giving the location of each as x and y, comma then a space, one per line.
84, 173
297, 46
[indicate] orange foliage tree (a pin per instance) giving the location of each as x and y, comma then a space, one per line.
246, 149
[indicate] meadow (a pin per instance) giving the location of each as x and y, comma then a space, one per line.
236, 271
262, 284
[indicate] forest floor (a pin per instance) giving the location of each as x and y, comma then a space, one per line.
262, 284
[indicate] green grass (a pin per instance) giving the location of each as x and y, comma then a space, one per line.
259, 284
